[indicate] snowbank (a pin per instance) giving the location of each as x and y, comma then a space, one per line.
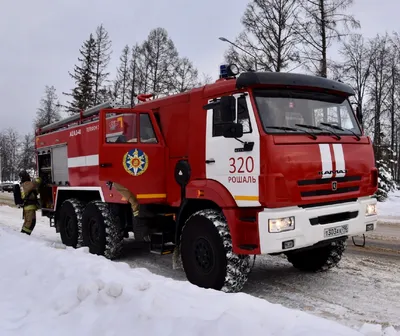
46, 289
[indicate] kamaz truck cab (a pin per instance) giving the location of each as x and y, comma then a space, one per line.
289, 147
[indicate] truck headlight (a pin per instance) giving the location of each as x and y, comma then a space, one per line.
281, 224
370, 210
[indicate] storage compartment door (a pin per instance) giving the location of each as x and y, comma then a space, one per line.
60, 165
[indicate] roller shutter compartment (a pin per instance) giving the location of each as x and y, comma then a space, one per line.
60, 164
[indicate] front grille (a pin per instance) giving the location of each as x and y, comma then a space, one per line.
312, 205
326, 192
333, 218
330, 180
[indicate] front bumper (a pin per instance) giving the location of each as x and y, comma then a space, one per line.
352, 215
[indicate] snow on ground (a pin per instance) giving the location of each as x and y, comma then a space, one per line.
389, 210
360, 290
50, 291
47, 290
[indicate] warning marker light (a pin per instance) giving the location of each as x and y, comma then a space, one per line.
228, 70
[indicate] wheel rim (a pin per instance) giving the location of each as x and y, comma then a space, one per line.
94, 232
204, 255
69, 227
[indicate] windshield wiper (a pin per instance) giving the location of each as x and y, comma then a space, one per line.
341, 129
284, 128
319, 129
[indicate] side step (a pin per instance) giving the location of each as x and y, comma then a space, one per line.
161, 243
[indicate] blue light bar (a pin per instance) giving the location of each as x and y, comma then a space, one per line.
223, 71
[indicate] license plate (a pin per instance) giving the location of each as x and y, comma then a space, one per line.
336, 231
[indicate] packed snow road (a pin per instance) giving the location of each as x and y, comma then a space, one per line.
363, 289
6, 198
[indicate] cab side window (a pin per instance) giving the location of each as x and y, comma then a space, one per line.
242, 117
122, 129
243, 114
147, 134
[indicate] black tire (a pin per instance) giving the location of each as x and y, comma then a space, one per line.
102, 231
318, 259
69, 222
207, 257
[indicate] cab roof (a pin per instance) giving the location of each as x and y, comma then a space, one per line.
251, 79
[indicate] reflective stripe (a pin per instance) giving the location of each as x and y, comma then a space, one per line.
30, 207
83, 161
26, 230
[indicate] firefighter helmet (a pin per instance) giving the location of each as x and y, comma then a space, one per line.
24, 176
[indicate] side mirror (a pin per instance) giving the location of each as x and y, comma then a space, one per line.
233, 130
228, 109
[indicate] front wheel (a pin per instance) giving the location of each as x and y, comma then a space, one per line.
207, 257
318, 259
102, 231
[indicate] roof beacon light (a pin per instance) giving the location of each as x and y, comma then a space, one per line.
226, 71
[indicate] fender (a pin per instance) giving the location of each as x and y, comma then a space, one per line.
210, 190
245, 239
202, 190
63, 193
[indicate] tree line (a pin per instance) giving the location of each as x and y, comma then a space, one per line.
278, 36
153, 66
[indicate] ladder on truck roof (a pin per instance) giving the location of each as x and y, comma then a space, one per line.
85, 116
80, 118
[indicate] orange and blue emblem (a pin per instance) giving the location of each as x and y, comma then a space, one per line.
135, 162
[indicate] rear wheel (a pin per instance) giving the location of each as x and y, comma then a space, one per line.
70, 222
101, 230
318, 259
207, 257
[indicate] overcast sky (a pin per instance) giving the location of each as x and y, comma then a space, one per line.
39, 40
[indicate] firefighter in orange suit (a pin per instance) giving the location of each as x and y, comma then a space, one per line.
29, 193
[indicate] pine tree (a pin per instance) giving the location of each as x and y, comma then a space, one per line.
378, 88
386, 184
105, 94
49, 110
122, 81
84, 76
26, 158
136, 75
9, 144
161, 58
101, 59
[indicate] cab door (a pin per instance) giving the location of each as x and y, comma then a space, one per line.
132, 153
235, 163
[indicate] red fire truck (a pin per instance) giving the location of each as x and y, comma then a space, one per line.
256, 163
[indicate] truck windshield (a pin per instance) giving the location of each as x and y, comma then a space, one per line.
289, 111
